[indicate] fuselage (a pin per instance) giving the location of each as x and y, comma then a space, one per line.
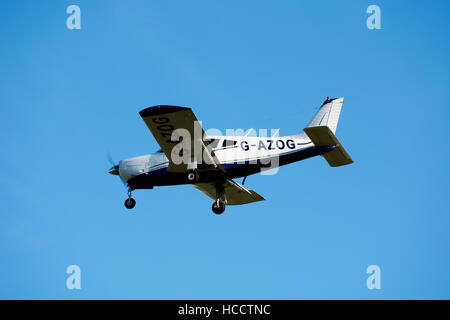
239, 156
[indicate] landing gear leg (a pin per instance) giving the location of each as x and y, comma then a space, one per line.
130, 202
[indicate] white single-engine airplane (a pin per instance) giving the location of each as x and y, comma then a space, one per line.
209, 163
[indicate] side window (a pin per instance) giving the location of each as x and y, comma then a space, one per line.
212, 143
229, 143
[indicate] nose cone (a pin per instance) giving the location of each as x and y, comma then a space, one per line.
114, 170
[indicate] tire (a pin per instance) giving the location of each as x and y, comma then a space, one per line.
130, 203
218, 209
192, 177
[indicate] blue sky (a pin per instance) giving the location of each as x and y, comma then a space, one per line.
68, 97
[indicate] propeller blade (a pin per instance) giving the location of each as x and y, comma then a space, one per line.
124, 182
110, 159
115, 170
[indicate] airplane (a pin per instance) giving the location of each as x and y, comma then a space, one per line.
210, 163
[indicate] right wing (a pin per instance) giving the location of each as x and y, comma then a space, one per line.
163, 121
230, 191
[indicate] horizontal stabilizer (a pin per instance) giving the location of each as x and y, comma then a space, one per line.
322, 136
338, 157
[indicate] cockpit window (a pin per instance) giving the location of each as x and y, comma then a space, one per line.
229, 143
212, 142
159, 151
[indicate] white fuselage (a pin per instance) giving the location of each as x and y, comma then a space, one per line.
231, 151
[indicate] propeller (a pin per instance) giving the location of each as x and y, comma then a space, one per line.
115, 169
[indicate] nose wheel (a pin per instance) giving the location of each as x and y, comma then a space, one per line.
130, 202
218, 206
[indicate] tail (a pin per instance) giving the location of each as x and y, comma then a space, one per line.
321, 131
328, 114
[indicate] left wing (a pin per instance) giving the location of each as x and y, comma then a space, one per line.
229, 191
163, 121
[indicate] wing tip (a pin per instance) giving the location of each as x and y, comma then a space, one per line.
160, 109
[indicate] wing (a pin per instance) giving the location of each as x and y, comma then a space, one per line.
164, 122
231, 192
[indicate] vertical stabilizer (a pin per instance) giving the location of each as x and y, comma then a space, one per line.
328, 114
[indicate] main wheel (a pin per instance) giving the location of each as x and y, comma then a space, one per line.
193, 177
218, 207
130, 203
